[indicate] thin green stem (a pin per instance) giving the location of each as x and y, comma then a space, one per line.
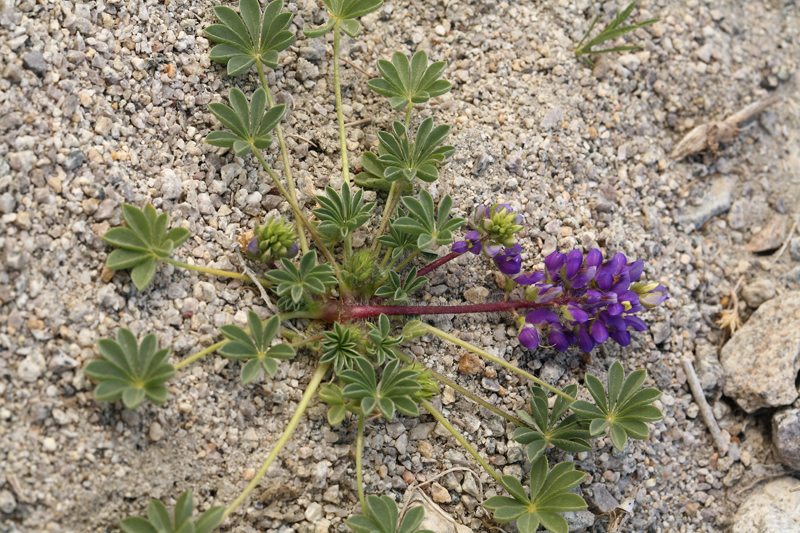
316, 379
287, 167
460, 438
359, 453
303, 219
483, 353
455, 386
387, 213
399, 267
307, 340
408, 116
386, 257
339, 113
201, 353
214, 271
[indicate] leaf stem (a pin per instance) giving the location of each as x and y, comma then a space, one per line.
460, 438
303, 219
213, 271
483, 353
359, 453
414, 254
395, 192
316, 379
201, 353
439, 262
455, 386
287, 167
339, 113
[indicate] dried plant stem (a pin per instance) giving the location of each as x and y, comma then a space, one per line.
705, 410
785, 244
351, 64
458, 388
339, 114
287, 167
359, 452
494, 359
460, 438
316, 379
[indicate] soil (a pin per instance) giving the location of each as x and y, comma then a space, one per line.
105, 102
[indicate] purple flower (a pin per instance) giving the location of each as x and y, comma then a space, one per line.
654, 297
252, 248
553, 264
509, 262
292, 250
529, 337
471, 244
585, 340
573, 312
529, 278
560, 337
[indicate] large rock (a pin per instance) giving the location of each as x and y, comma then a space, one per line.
436, 519
762, 359
716, 201
786, 436
773, 508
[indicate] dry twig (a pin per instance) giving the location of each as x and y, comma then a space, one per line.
351, 64
708, 136
785, 244
705, 409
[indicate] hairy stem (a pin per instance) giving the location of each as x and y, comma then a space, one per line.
483, 353
359, 453
287, 167
408, 116
339, 113
399, 267
395, 192
455, 386
357, 312
460, 438
303, 219
202, 353
316, 379
213, 271
439, 262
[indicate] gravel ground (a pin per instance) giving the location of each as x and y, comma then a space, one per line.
104, 103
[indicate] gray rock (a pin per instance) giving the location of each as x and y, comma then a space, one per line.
105, 210
7, 203
793, 276
786, 436
7, 502
758, 292
436, 519
737, 217
313, 512
306, 70
661, 331
601, 498
22, 161
762, 359
709, 370
401, 444
716, 201
421, 431
30, 368
204, 291
34, 60
13, 73
773, 508
156, 432
794, 248
579, 520
171, 186
551, 118
470, 486
73, 160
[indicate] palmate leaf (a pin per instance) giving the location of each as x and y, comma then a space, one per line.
406, 160
547, 427
340, 347
431, 225
332, 395
159, 519
610, 32
394, 392
397, 290
380, 343
343, 12
249, 38
250, 124
130, 371
295, 282
382, 516
549, 495
622, 409
341, 214
255, 348
413, 82
142, 243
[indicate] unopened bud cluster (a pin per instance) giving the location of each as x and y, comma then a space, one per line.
273, 241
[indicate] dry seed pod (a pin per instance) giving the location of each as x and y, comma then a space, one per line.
708, 136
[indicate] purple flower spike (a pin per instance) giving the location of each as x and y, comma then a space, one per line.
530, 279
559, 339
585, 340
541, 317
553, 264
529, 337
509, 262
252, 248
594, 258
655, 297
599, 332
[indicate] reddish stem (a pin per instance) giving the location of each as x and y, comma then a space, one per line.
439, 262
355, 312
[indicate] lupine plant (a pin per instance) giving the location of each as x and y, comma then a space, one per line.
359, 303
